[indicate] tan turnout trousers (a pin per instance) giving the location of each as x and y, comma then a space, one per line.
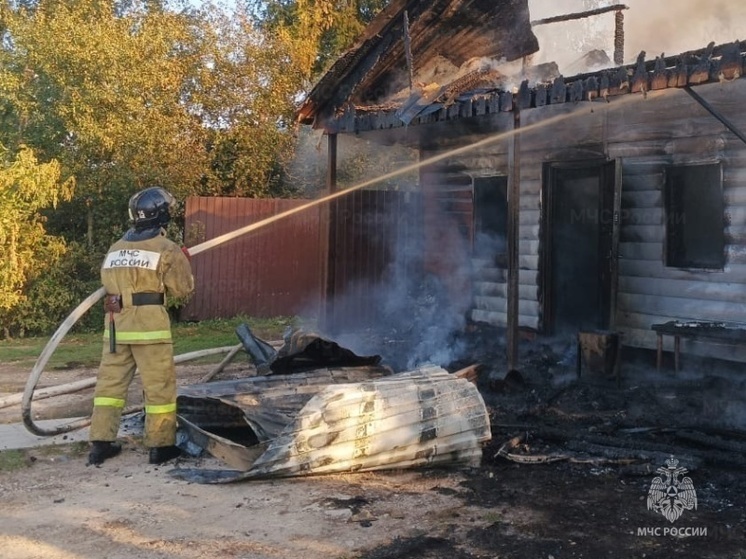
156, 369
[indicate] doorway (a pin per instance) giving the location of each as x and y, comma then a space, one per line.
580, 236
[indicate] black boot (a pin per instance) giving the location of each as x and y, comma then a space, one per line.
102, 450
161, 454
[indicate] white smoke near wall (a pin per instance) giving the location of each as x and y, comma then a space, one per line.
419, 318
418, 321
423, 312
654, 26
358, 160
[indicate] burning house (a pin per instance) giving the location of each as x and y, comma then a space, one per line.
611, 200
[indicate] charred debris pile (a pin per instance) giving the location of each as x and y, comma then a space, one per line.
311, 406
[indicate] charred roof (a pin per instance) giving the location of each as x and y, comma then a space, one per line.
407, 36
543, 85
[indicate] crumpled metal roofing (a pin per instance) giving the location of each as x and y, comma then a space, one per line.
418, 418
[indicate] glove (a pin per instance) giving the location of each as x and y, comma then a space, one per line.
185, 250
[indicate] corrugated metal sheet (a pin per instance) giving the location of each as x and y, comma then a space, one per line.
265, 404
274, 271
420, 418
280, 270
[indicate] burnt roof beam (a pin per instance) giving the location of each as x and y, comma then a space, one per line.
580, 15
717, 114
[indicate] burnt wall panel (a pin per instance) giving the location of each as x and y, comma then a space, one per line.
646, 133
448, 228
488, 277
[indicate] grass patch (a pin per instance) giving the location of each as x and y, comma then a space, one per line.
84, 349
11, 460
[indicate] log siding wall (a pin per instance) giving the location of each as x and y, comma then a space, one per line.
665, 128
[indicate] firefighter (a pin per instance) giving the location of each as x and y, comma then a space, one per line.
139, 272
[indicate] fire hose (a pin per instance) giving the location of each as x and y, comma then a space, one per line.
85, 306
93, 298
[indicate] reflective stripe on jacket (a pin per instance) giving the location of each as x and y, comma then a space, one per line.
155, 265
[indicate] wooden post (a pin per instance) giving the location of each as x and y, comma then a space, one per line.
659, 352
331, 252
514, 195
619, 38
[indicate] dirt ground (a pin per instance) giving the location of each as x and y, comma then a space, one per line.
594, 449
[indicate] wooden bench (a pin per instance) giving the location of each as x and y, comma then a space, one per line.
723, 332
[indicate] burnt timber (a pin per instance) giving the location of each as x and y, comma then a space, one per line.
369, 71
713, 64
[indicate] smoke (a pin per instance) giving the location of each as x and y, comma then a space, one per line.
418, 322
672, 27
421, 299
653, 26
419, 318
422, 312
657, 27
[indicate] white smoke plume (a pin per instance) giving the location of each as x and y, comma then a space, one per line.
654, 26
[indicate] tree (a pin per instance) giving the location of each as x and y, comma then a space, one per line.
318, 30
26, 250
121, 94
247, 96
129, 93
104, 88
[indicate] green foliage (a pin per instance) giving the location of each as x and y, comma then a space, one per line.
102, 90
26, 250
50, 297
248, 97
116, 95
75, 350
317, 30
222, 332
125, 95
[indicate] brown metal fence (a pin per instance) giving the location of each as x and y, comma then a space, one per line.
281, 269
276, 270
375, 230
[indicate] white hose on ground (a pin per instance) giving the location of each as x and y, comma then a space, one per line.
49, 392
82, 384
223, 364
41, 362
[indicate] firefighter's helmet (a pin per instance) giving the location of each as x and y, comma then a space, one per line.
151, 208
